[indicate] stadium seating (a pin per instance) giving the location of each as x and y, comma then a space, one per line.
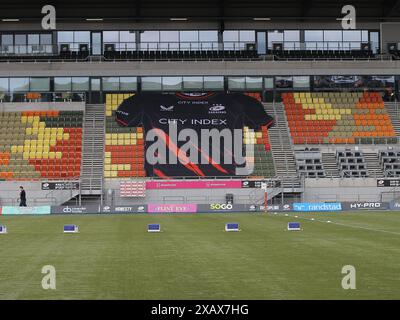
390, 162
322, 54
351, 163
337, 117
180, 55
263, 162
40, 145
124, 156
309, 163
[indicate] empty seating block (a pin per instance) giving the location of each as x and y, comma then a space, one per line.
351, 163
263, 162
309, 163
390, 162
337, 117
40, 145
135, 189
124, 156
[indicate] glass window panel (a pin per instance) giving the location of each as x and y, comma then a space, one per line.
214, 83
7, 39
110, 83
189, 36
151, 83
169, 36
62, 84
269, 83
193, 83
352, 35
254, 83
127, 36
128, 83
210, 36
46, 39
80, 84
261, 45
333, 36
150, 36
291, 35
33, 39
364, 36
39, 84
110, 36
65, 36
20, 39
247, 36
284, 82
19, 84
172, 83
313, 35
301, 82
95, 84
236, 83
4, 85
231, 35
274, 37
82, 36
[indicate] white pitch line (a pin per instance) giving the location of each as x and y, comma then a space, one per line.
352, 226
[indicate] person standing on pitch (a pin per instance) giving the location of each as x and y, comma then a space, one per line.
22, 197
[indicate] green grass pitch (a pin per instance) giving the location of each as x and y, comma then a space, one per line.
113, 257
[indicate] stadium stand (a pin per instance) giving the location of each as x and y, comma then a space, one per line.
124, 156
390, 162
124, 146
337, 117
40, 144
309, 163
323, 54
351, 163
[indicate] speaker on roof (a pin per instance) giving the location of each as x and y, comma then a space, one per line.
109, 47
278, 46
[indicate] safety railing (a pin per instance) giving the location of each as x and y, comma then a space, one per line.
42, 96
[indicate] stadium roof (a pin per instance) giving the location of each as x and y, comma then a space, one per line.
208, 10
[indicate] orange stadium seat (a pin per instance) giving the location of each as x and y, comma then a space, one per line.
336, 118
40, 144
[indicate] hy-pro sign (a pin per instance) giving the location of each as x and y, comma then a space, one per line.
317, 206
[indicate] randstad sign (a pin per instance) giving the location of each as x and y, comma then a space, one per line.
317, 206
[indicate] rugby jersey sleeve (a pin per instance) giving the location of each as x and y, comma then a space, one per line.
130, 111
255, 115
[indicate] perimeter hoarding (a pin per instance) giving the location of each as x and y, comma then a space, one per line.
26, 210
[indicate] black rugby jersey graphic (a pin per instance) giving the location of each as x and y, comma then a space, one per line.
192, 111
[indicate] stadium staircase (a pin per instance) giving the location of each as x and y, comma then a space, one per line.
330, 165
282, 148
392, 109
373, 166
93, 150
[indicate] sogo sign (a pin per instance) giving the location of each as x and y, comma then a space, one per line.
218, 206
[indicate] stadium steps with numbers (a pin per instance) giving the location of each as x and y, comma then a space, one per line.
282, 148
93, 150
394, 114
330, 165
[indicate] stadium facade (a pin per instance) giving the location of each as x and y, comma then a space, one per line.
332, 92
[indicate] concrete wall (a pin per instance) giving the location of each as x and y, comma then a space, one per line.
9, 193
389, 33
221, 68
351, 189
241, 196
